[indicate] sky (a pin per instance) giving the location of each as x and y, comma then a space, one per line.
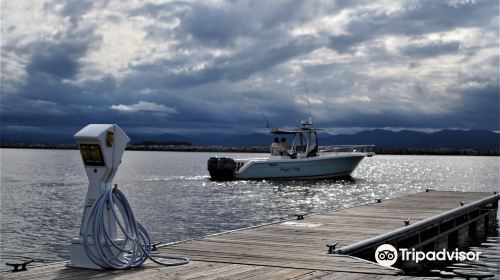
217, 66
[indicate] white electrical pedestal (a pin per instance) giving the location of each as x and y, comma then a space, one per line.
102, 147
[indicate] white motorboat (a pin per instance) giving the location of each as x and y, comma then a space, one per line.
303, 160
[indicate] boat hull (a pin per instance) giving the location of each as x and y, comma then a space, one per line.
309, 168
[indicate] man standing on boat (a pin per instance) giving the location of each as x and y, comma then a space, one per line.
276, 147
285, 146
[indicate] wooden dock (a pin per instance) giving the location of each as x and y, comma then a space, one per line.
293, 249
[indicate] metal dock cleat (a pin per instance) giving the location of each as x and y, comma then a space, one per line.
22, 265
331, 248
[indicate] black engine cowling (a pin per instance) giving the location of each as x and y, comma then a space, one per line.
221, 169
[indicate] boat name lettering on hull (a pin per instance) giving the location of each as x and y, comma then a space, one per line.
287, 169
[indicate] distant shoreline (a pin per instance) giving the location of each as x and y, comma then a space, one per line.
261, 149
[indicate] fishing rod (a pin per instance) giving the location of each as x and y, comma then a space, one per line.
268, 125
307, 96
292, 100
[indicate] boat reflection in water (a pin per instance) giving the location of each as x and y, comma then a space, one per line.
303, 159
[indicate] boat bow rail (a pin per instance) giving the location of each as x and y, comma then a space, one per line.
348, 149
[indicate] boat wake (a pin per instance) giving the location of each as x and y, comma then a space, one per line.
177, 178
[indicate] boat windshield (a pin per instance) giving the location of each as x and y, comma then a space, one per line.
305, 144
313, 145
305, 140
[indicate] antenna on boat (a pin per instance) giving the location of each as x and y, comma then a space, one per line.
308, 102
292, 99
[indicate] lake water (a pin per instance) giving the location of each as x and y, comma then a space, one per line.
42, 194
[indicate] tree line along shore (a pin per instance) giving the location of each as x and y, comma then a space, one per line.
262, 149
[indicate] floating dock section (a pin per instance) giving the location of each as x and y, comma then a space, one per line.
334, 245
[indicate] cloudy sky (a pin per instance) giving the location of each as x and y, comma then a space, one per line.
184, 67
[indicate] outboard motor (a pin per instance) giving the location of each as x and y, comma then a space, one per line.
221, 169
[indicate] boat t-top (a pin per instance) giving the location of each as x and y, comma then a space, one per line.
302, 160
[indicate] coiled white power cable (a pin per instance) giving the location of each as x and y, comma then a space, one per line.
130, 252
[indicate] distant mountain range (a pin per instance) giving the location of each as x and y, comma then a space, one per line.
452, 139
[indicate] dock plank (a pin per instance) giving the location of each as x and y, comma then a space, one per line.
286, 250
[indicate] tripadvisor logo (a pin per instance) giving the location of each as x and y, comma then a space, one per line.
387, 255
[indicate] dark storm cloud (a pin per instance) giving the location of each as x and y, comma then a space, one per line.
73, 10
478, 109
221, 24
236, 67
213, 26
47, 96
481, 106
431, 49
157, 11
59, 59
41, 87
421, 17
245, 64
76, 9
200, 66
343, 43
54, 61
